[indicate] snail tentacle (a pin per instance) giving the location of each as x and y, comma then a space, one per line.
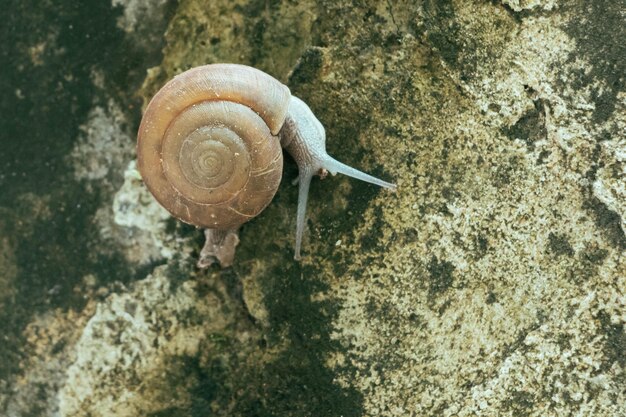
305, 177
333, 166
304, 137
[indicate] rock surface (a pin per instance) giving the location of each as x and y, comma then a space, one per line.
493, 282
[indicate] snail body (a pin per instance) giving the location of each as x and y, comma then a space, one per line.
209, 150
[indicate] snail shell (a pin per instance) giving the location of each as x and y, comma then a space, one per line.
208, 146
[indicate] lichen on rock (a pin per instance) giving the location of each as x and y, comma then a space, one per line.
492, 283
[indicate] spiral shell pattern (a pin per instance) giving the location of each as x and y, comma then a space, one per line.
208, 148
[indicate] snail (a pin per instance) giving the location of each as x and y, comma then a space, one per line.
209, 150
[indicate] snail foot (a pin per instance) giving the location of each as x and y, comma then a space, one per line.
219, 247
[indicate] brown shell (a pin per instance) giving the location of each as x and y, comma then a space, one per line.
207, 146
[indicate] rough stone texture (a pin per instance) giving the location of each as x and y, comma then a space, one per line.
157, 348
492, 283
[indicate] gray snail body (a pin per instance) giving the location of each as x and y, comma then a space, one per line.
209, 150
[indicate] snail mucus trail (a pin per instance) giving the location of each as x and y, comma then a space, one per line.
209, 148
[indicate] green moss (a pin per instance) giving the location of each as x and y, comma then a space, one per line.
615, 341
559, 245
520, 403
308, 67
55, 246
443, 29
440, 276
586, 263
202, 383
297, 382
56, 88
530, 127
599, 30
285, 373
481, 246
607, 220
508, 172
299, 377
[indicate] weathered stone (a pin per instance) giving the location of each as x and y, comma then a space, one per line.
492, 283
